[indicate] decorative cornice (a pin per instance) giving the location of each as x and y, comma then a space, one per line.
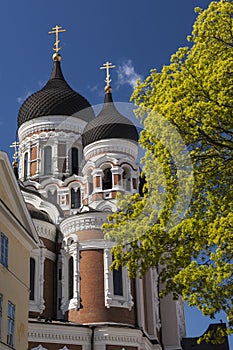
58, 123
96, 244
111, 146
74, 334
84, 221
49, 333
45, 229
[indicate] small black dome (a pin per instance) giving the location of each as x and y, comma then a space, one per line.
55, 98
109, 124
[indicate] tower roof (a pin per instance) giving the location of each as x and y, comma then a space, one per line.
55, 98
109, 124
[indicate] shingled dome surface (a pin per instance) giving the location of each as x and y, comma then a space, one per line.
55, 98
109, 124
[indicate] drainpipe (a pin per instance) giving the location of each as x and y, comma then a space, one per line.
92, 336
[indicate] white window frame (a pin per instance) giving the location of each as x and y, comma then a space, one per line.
70, 248
37, 305
47, 160
111, 300
11, 324
4, 249
75, 189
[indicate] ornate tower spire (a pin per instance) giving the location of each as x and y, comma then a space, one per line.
56, 30
107, 66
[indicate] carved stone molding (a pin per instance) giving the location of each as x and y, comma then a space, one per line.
111, 146
85, 221
45, 229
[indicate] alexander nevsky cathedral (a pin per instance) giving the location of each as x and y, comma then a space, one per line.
71, 165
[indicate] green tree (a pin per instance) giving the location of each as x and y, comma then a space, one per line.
183, 225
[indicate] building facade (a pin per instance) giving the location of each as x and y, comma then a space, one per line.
72, 163
17, 239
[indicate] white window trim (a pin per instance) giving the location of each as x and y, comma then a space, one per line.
111, 300
39, 347
75, 187
37, 305
70, 249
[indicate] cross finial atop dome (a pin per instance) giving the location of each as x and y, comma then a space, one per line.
107, 66
15, 145
56, 30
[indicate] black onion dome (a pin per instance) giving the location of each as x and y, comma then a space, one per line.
109, 124
55, 98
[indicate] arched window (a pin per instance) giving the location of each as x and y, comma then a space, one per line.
52, 196
107, 179
32, 278
74, 161
126, 178
75, 198
25, 166
90, 182
71, 278
47, 160
117, 282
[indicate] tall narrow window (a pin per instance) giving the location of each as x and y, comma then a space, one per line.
52, 196
107, 179
4, 250
75, 198
74, 161
47, 160
62, 158
126, 178
32, 278
90, 182
71, 277
25, 166
1, 306
11, 324
117, 282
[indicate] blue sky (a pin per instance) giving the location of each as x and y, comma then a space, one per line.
136, 36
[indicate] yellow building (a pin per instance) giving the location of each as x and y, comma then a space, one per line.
17, 239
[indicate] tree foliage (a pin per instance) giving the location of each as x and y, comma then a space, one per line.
183, 225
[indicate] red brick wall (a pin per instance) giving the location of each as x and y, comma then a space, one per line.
117, 179
49, 288
97, 181
49, 244
33, 165
86, 235
92, 294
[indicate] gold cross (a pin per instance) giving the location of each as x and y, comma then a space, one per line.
56, 30
15, 145
107, 66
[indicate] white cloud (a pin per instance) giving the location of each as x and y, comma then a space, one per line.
93, 88
41, 83
127, 74
21, 99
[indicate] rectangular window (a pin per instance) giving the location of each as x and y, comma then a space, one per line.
117, 281
1, 306
11, 324
4, 250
